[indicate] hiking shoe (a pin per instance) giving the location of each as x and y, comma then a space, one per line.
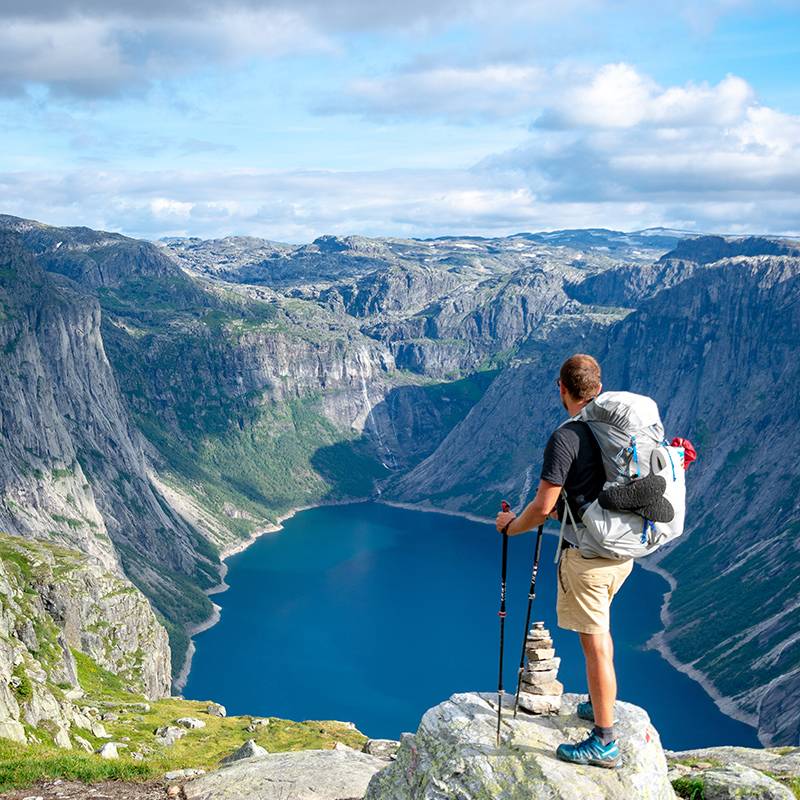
643, 496
591, 752
585, 710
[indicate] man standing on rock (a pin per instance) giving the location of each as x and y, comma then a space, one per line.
586, 586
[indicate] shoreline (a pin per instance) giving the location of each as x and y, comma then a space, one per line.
179, 682
656, 642
432, 510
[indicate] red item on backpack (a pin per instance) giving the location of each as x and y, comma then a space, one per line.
689, 453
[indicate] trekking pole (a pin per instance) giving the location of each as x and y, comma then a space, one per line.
531, 598
502, 614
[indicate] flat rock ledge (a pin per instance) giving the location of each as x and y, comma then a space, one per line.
302, 775
454, 755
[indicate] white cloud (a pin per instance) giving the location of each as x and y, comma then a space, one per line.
618, 96
454, 92
619, 137
562, 96
80, 53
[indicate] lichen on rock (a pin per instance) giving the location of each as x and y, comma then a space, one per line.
454, 754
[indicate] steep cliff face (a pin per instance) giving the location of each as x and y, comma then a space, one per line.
734, 324
55, 603
74, 469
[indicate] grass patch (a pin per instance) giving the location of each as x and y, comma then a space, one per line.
98, 682
203, 748
70, 521
23, 691
792, 784
689, 788
11, 554
23, 765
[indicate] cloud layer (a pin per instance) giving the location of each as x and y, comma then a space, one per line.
98, 48
104, 47
445, 117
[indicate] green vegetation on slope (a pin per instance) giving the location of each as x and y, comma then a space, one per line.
743, 591
265, 468
22, 765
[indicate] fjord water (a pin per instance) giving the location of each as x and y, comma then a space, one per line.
372, 614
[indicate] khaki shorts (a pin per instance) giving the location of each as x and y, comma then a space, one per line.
586, 587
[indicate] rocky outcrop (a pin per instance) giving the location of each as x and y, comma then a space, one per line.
54, 602
304, 775
709, 249
725, 773
454, 754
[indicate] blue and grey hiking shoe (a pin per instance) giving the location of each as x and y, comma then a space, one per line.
591, 752
585, 710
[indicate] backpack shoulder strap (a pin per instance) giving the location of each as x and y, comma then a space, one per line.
567, 512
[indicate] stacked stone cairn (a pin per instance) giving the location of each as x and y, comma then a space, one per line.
540, 692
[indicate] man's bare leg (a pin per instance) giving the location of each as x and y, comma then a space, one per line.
598, 650
600, 749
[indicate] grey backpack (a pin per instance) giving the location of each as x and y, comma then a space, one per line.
630, 433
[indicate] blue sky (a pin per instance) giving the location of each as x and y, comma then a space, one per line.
291, 120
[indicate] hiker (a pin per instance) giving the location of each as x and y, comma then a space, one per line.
586, 585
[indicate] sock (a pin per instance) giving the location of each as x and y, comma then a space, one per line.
605, 735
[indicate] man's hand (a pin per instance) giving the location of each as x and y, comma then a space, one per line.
503, 519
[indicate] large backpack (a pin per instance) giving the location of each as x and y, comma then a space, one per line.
630, 433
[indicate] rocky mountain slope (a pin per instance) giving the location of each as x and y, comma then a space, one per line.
162, 402
74, 467
58, 608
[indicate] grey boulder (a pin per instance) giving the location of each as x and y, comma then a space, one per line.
181, 774
383, 748
109, 750
167, 735
738, 772
454, 755
302, 775
190, 722
736, 781
248, 750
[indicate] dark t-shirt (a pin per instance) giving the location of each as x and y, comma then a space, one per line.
572, 459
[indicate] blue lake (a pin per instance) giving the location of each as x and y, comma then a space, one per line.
372, 614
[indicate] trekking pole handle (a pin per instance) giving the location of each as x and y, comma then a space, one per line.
505, 508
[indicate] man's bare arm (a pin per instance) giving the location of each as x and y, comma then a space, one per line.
535, 513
